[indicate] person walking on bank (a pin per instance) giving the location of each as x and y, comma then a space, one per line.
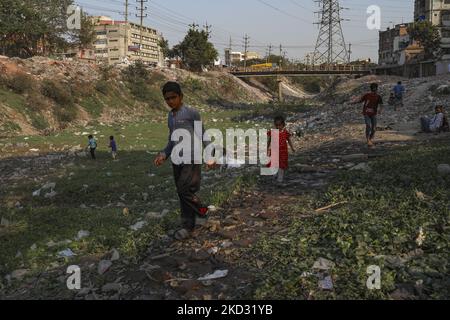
187, 175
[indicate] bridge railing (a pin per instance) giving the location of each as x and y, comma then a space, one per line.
342, 68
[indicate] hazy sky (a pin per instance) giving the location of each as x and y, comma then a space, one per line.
286, 22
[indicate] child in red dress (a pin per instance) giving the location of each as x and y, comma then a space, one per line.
283, 155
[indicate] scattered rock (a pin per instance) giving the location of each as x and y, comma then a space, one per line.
50, 195
115, 255
362, 166
104, 266
323, 264
19, 274
111, 287
49, 186
5, 222
353, 157
444, 169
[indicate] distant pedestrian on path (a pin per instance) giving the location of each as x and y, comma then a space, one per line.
399, 92
113, 147
283, 154
373, 106
92, 146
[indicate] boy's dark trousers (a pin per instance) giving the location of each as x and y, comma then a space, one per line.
93, 153
187, 180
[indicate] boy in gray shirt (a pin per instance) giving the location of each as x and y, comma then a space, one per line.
187, 175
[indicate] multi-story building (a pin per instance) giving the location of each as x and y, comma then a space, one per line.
235, 58
120, 41
396, 47
438, 12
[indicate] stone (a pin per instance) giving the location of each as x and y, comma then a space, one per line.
49, 186
353, 157
323, 264
104, 266
5, 222
115, 255
111, 287
444, 169
50, 195
362, 166
19, 274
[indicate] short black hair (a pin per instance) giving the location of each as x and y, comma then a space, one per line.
172, 86
91, 136
374, 86
111, 138
279, 119
399, 82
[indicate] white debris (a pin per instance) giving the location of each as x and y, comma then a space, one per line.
216, 275
67, 253
138, 226
83, 234
37, 193
421, 237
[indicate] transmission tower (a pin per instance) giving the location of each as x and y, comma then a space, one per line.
330, 46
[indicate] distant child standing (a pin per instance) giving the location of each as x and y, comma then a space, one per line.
283, 152
92, 146
113, 146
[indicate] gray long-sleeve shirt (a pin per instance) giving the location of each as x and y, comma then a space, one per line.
185, 118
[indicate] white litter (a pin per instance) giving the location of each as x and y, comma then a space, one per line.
83, 234
216, 275
66, 253
138, 226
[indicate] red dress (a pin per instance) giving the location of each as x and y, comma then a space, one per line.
283, 155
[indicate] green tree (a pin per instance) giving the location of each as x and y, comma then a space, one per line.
85, 37
164, 45
428, 36
30, 27
195, 50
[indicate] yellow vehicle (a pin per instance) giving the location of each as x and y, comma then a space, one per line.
263, 66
